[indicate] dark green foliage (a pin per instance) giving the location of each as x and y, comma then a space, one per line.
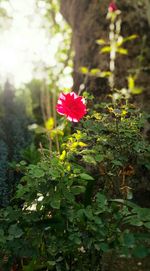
14, 137
56, 231
71, 214
116, 152
4, 194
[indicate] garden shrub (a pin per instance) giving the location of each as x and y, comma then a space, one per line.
71, 211
77, 202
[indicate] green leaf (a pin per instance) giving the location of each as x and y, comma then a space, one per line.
87, 177
104, 247
99, 158
15, 231
140, 251
129, 239
89, 159
136, 222
147, 225
143, 213
116, 163
76, 190
55, 203
129, 195
88, 213
51, 263
125, 202
2, 236
101, 199
36, 172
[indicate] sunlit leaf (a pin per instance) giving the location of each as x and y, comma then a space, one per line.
132, 37
105, 74
94, 71
49, 124
63, 156
84, 70
82, 144
122, 40
105, 49
100, 42
131, 82
136, 90
131, 85
122, 51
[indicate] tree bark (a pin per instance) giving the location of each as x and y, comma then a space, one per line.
87, 19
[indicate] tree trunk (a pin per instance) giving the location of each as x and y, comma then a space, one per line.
88, 21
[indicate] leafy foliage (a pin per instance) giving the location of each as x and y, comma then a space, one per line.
70, 214
14, 137
74, 204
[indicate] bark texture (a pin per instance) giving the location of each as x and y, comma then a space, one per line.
88, 21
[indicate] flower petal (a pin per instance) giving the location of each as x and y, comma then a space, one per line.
72, 106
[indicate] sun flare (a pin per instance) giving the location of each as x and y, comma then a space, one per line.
26, 44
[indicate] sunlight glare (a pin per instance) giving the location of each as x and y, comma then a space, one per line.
26, 43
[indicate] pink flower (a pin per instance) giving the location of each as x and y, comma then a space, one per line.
72, 106
112, 7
